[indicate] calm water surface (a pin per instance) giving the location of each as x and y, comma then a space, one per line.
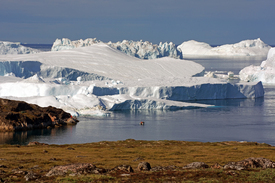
230, 120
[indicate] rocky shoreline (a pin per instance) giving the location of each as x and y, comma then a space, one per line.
20, 116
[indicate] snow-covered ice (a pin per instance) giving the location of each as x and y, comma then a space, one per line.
254, 47
265, 72
13, 48
97, 79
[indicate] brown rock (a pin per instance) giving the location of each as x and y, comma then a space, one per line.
163, 168
19, 115
125, 168
196, 165
250, 163
78, 168
30, 176
143, 166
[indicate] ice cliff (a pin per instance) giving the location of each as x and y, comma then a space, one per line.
15, 48
98, 78
265, 72
254, 47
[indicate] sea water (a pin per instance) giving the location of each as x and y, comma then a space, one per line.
231, 120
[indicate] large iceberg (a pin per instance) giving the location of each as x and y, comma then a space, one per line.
147, 50
99, 78
140, 49
264, 73
13, 48
254, 47
65, 43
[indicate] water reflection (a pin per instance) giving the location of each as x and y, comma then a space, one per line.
24, 137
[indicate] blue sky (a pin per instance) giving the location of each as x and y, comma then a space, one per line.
211, 21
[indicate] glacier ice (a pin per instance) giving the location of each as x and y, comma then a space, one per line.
96, 79
265, 72
13, 48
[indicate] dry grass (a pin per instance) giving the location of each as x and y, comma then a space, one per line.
107, 155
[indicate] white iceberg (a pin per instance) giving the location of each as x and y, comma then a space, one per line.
66, 44
254, 47
13, 48
140, 49
96, 79
264, 73
146, 49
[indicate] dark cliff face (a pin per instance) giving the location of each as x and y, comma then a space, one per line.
19, 115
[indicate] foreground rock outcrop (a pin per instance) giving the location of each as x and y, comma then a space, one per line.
19, 115
250, 163
78, 169
245, 164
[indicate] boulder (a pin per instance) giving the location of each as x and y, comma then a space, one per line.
163, 168
125, 168
78, 168
250, 163
143, 166
234, 166
30, 176
196, 165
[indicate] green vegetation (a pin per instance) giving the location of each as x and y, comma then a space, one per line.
41, 158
